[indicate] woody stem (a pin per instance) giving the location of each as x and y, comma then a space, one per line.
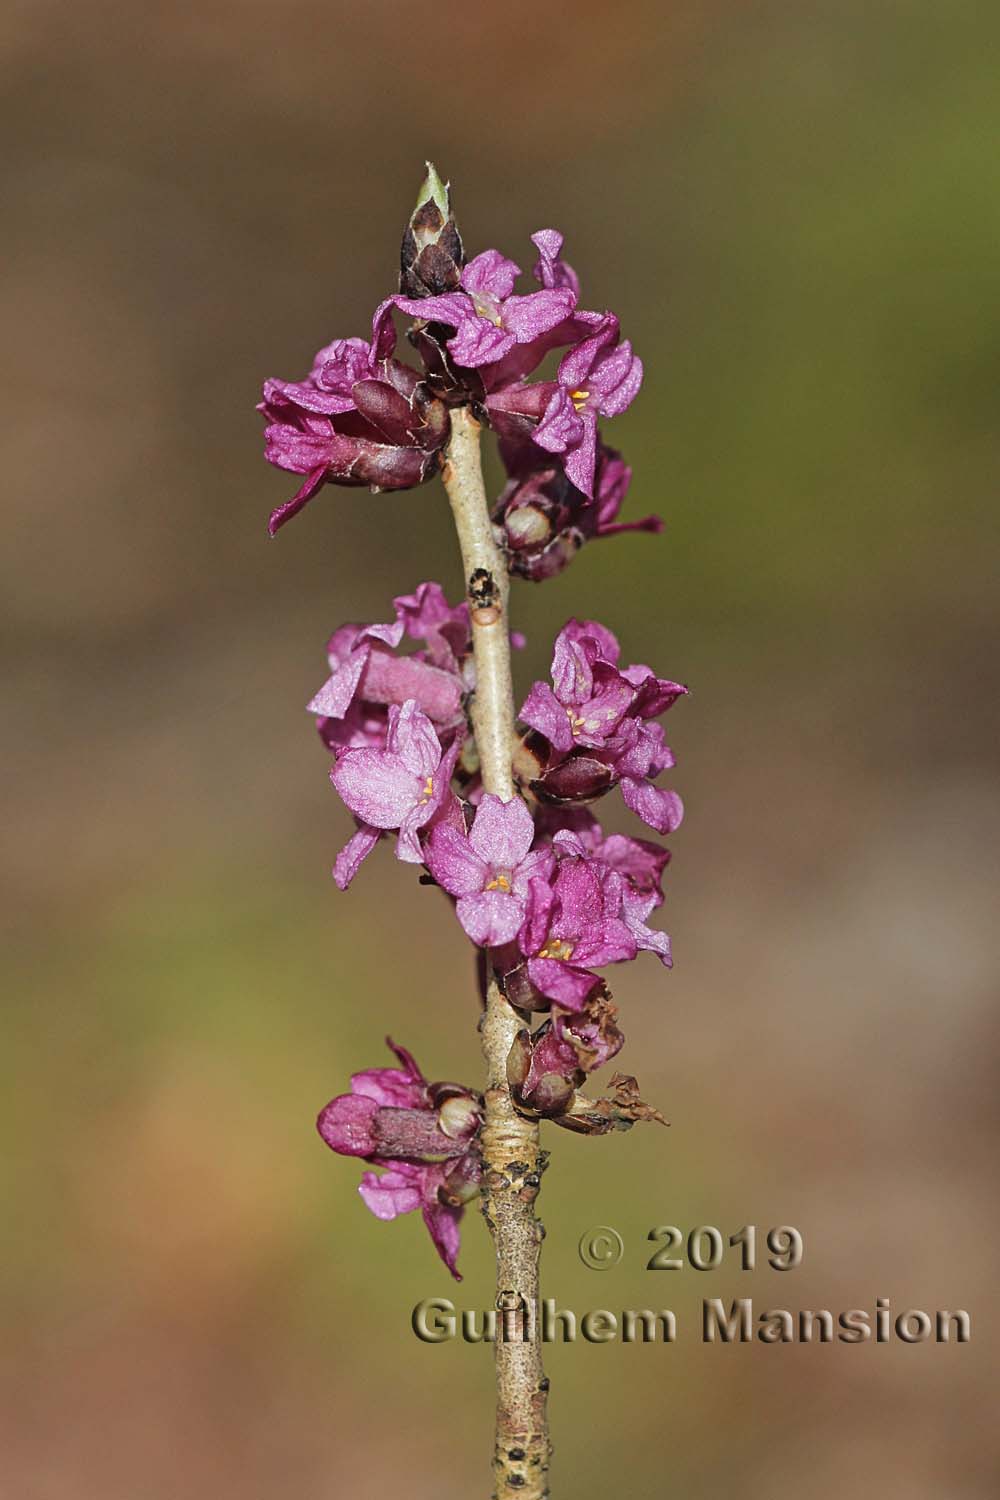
513, 1160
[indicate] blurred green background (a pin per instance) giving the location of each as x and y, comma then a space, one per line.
794, 208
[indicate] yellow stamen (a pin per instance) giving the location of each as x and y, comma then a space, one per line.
428, 791
501, 883
485, 310
578, 398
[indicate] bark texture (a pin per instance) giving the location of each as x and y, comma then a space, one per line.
512, 1156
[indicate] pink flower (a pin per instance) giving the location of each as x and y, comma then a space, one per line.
423, 1134
367, 675
488, 318
490, 868
595, 721
360, 417
403, 785
545, 519
640, 864
598, 377
574, 924
588, 698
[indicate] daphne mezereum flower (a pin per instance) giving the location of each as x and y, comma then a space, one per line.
639, 864
542, 519
422, 1133
574, 924
490, 868
367, 674
360, 417
404, 785
597, 377
489, 319
594, 721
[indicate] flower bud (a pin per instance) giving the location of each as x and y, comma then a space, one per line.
541, 519
531, 753
527, 527
431, 256
519, 991
579, 778
461, 1181
458, 1116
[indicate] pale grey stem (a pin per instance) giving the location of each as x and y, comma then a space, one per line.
513, 1160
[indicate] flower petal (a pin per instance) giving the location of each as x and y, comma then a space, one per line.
346, 1124
659, 808
567, 986
337, 693
491, 918
490, 273
353, 855
442, 1226
376, 786
502, 832
529, 317
561, 427
541, 900
479, 342
412, 738
577, 363
616, 378
282, 513
454, 863
550, 269
309, 396
543, 711
396, 1192
581, 460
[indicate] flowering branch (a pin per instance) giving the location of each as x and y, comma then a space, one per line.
494, 806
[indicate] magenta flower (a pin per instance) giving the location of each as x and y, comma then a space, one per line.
329, 388
444, 628
574, 924
598, 377
594, 720
490, 868
589, 697
488, 318
546, 519
640, 865
423, 1134
367, 676
639, 754
404, 785
360, 417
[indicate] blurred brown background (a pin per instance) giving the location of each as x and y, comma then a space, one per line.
794, 209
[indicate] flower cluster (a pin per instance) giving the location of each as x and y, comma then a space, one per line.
594, 727
396, 723
547, 898
536, 884
423, 1134
363, 416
